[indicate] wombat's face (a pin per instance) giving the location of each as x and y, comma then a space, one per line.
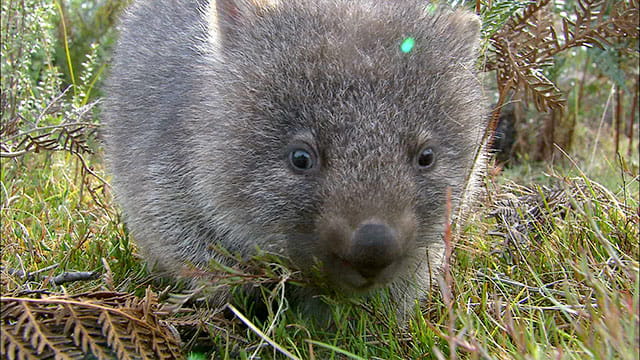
340, 146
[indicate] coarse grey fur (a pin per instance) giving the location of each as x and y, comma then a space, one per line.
205, 103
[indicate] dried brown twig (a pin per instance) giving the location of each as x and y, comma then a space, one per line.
70, 135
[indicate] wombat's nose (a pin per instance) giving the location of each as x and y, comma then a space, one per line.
373, 248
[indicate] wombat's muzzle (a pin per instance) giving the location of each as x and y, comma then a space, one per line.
359, 252
373, 248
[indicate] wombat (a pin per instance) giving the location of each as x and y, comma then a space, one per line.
327, 131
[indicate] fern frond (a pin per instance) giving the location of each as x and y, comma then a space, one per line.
81, 323
103, 325
495, 16
528, 42
14, 347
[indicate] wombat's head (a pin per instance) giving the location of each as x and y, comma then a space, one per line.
331, 130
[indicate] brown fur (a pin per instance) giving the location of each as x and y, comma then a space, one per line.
207, 102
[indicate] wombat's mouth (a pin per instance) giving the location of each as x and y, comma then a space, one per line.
345, 275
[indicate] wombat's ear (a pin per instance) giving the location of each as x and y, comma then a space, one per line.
227, 17
466, 25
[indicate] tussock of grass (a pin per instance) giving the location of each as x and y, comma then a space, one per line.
567, 291
49, 217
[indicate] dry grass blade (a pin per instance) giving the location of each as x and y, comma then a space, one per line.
520, 211
262, 335
104, 325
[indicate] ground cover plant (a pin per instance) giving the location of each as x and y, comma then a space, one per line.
547, 267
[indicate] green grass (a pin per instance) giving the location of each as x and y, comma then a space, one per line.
50, 219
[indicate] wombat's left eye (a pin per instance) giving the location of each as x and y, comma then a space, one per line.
426, 158
301, 159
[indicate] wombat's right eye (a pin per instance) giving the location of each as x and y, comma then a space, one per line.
426, 158
301, 160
